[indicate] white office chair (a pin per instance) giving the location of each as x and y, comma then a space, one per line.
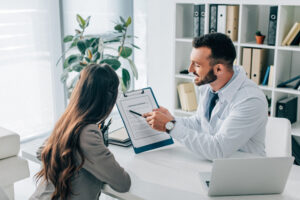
278, 137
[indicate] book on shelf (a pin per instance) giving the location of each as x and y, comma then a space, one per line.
258, 65
296, 40
187, 96
272, 25
221, 19
265, 81
247, 59
213, 18
271, 75
291, 34
232, 21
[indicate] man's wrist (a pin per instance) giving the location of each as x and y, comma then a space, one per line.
170, 126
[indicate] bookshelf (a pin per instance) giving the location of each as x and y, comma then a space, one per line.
253, 15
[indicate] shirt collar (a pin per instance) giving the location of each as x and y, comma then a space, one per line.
227, 92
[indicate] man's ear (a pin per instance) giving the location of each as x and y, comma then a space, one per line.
219, 69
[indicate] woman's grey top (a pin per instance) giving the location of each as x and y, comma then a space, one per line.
99, 167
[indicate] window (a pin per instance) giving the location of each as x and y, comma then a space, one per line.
29, 98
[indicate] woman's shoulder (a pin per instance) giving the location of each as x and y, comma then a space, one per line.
90, 128
91, 136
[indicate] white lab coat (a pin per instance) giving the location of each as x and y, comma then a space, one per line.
238, 121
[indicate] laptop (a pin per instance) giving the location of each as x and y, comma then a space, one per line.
246, 176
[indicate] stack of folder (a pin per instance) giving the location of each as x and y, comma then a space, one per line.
224, 19
119, 137
255, 64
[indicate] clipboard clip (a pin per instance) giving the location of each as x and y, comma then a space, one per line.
141, 91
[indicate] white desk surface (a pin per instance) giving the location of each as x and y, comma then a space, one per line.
172, 173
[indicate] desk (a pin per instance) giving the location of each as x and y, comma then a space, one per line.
171, 172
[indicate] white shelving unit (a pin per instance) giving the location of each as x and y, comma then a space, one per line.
253, 15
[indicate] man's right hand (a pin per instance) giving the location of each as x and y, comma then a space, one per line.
165, 111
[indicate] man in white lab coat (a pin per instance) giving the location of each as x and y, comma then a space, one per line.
232, 110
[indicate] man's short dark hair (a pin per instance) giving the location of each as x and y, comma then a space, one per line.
222, 48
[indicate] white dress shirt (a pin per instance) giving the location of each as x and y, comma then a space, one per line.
237, 123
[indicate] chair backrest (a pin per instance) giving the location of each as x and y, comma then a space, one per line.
278, 137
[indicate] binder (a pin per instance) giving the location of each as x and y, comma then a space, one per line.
287, 108
266, 76
213, 18
258, 65
221, 19
232, 22
271, 75
272, 25
187, 96
247, 61
202, 17
142, 136
196, 20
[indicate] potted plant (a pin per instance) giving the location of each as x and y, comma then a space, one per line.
259, 37
111, 48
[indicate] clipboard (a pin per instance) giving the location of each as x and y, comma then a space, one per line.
143, 137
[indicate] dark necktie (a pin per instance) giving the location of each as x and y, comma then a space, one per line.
212, 104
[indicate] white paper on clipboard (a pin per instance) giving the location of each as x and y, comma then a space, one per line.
140, 133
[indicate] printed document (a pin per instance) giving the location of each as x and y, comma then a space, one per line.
140, 132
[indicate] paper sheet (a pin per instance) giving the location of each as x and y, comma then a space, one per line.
140, 132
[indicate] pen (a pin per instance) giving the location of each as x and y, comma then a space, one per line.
135, 113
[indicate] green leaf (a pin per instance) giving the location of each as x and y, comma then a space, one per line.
87, 59
80, 21
71, 59
133, 68
95, 42
87, 21
124, 89
128, 22
125, 78
96, 56
81, 46
74, 43
68, 38
119, 28
122, 20
134, 46
114, 63
126, 51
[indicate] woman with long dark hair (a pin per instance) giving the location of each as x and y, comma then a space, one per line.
75, 161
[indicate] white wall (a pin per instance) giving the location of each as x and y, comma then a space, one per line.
160, 48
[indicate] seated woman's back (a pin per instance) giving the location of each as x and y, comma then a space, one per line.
76, 162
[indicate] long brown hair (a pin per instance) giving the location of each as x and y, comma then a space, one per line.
91, 101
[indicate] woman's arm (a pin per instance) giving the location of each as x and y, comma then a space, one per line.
100, 162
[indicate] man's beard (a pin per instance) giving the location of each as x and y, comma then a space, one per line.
210, 77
